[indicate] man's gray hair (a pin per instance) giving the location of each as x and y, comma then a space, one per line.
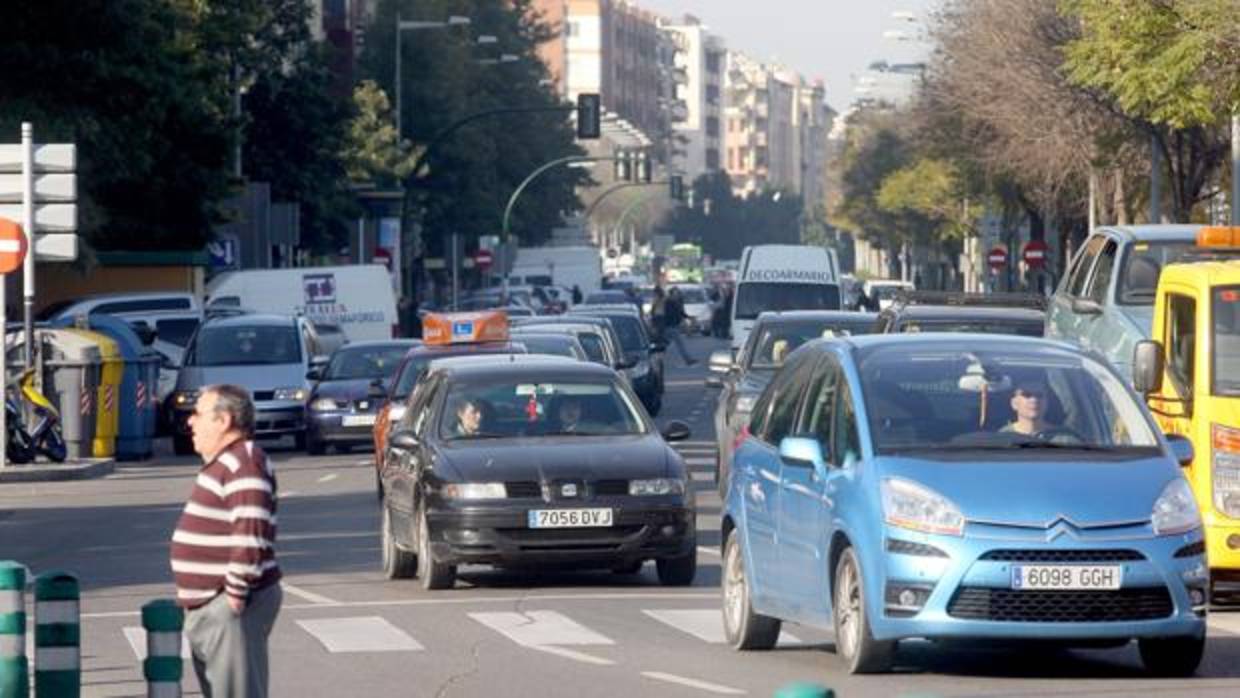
234, 401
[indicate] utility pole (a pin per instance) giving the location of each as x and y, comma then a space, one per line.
1235, 169
1155, 180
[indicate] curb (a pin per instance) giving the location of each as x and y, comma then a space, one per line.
48, 472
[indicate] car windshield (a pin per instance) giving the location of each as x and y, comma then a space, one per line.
176, 331
593, 344
755, 298
245, 345
605, 297
776, 341
1226, 341
353, 363
508, 408
692, 294
628, 329
1143, 262
956, 399
1023, 328
886, 292
548, 344
418, 364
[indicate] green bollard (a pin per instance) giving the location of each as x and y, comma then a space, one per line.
163, 620
804, 690
14, 673
57, 636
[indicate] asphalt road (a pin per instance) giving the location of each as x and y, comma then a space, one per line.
346, 631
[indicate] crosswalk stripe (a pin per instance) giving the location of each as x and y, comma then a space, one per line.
704, 624
136, 637
694, 683
540, 628
700, 476
1226, 622
362, 634
699, 461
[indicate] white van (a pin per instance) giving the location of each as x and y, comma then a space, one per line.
357, 298
783, 277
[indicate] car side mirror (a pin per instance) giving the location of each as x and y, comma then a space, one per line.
802, 452
676, 430
314, 374
376, 389
1147, 366
1085, 306
1181, 449
404, 441
319, 361
720, 361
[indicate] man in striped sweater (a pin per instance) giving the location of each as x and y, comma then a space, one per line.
223, 550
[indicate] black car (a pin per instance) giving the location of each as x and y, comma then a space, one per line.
532, 460
643, 356
985, 313
773, 338
345, 397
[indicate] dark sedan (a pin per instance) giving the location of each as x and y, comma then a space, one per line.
538, 461
349, 392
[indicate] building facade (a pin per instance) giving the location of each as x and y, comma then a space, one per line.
700, 60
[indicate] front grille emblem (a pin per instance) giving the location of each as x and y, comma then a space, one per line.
568, 489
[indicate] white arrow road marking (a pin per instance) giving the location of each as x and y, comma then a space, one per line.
704, 624
369, 634
694, 683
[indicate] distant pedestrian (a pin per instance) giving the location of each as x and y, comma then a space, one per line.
658, 308
577, 297
674, 318
223, 550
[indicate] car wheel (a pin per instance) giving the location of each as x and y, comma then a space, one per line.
315, 447
397, 563
434, 575
182, 445
744, 629
1172, 656
678, 571
854, 643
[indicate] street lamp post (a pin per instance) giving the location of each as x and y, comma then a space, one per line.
406, 25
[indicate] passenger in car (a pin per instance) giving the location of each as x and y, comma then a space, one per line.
1029, 403
468, 418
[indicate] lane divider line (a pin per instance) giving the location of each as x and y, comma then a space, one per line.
306, 595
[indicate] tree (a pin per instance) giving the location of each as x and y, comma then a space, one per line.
724, 224
935, 189
371, 151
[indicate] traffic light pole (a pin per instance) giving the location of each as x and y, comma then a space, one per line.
623, 185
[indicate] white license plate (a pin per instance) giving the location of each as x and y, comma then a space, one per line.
358, 420
569, 518
1067, 577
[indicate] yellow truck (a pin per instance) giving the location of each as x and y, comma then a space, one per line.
1189, 371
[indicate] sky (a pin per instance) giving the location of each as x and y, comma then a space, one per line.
830, 39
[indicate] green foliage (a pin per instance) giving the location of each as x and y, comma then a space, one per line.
935, 189
371, 151
728, 223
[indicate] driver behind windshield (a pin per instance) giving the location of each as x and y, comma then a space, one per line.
1029, 403
468, 418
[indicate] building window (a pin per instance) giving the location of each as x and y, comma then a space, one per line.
712, 62
712, 126
712, 94
571, 28
712, 159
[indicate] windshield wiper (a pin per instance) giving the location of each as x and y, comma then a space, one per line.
1060, 445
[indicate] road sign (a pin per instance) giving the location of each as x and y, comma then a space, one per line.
1035, 254
50, 218
56, 247
48, 187
484, 259
48, 157
222, 252
12, 246
997, 258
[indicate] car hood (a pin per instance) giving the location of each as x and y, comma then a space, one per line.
1039, 493
353, 389
553, 458
255, 378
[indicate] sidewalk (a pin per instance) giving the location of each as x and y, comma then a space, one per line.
54, 472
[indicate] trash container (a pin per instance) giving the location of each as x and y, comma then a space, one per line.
135, 423
107, 398
71, 372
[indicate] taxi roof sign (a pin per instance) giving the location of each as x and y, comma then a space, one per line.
465, 328
1218, 236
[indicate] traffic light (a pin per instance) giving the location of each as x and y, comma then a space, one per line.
589, 118
677, 186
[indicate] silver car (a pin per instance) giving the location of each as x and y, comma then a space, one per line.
268, 354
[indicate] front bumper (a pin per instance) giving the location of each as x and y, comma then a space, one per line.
342, 426
500, 535
966, 589
271, 419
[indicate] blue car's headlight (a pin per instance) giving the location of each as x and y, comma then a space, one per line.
912, 506
1175, 511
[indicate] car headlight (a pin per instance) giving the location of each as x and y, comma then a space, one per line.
474, 490
744, 403
185, 398
323, 404
293, 394
396, 412
1175, 511
656, 487
909, 505
1225, 445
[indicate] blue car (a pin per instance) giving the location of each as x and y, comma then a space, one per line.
961, 486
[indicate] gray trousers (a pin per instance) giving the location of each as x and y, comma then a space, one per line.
229, 651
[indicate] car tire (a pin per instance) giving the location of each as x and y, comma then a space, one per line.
397, 563
182, 445
854, 642
677, 571
1172, 656
743, 628
433, 575
315, 447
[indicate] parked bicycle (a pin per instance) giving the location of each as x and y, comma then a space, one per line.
46, 438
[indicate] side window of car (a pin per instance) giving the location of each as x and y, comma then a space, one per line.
1084, 264
1181, 341
419, 412
818, 416
847, 441
1104, 269
787, 399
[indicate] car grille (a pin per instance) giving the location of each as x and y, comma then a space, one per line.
1036, 606
264, 395
1063, 556
530, 489
523, 490
566, 539
608, 488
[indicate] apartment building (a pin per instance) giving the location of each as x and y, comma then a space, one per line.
700, 59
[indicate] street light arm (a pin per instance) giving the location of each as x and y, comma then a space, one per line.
512, 201
459, 123
623, 185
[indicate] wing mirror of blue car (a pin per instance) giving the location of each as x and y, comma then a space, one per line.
404, 441
1147, 367
802, 452
676, 430
1181, 449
